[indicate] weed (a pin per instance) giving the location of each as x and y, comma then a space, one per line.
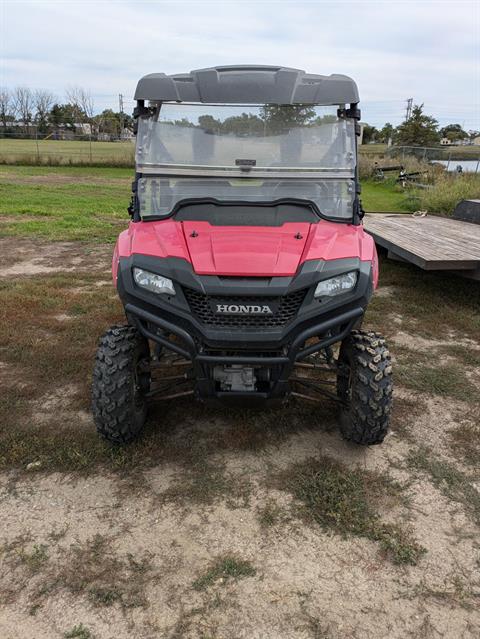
78, 632
451, 482
465, 441
270, 514
35, 559
454, 592
447, 192
224, 569
414, 371
91, 569
343, 500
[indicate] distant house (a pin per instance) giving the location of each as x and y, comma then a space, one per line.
127, 134
446, 142
83, 128
476, 141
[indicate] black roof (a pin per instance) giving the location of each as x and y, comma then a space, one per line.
248, 84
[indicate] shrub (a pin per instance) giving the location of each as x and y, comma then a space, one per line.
447, 192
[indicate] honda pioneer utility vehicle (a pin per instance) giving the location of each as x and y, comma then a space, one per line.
246, 263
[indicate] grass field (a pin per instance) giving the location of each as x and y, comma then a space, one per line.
82, 203
66, 152
75, 152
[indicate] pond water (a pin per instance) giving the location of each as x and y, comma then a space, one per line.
468, 166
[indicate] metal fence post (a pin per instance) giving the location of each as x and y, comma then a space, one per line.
36, 142
449, 159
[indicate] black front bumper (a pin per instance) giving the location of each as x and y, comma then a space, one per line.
171, 323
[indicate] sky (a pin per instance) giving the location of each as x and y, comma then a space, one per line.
425, 50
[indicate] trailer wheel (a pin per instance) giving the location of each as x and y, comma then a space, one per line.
121, 378
364, 384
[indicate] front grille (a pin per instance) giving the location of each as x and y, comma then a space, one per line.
288, 306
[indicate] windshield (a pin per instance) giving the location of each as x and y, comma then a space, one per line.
158, 195
240, 138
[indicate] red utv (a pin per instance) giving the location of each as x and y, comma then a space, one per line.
246, 261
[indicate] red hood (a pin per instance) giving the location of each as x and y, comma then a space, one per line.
246, 250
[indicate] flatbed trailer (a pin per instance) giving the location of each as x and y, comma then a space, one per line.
431, 242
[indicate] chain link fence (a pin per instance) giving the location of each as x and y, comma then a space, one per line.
460, 158
67, 148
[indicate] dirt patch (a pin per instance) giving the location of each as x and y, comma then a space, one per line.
24, 257
416, 342
296, 578
300, 576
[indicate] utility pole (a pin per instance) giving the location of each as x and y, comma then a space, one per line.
409, 109
120, 109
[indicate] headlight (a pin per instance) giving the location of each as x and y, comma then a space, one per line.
153, 282
336, 285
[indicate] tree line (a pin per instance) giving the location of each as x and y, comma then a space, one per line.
24, 112
419, 130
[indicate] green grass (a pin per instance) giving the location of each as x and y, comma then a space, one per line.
224, 569
64, 203
383, 196
54, 152
346, 500
85, 203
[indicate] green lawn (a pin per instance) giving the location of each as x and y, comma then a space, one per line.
384, 196
87, 203
65, 152
64, 203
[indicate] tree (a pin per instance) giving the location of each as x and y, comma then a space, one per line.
209, 123
453, 132
244, 124
43, 101
6, 107
282, 118
23, 105
81, 102
109, 122
418, 130
386, 133
370, 134
62, 115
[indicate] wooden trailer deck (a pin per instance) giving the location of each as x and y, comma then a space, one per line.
431, 242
